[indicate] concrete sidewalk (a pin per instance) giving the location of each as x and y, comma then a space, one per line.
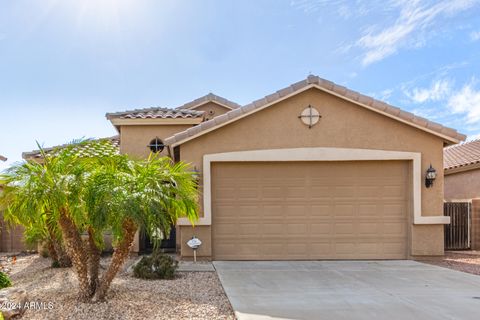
349, 290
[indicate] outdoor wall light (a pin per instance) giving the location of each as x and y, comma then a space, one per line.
430, 176
196, 174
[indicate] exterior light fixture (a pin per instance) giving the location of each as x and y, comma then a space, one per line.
430, 176
196, 174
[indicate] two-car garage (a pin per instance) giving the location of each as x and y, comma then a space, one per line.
316, 171
310, 210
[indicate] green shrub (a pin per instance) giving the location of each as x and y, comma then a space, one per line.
4, 281
156, 266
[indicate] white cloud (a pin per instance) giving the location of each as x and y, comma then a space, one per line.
409, 29
467, 101
438, 90
475, 35
472, 137
385, 94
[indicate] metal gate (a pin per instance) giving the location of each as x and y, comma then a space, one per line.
457, 233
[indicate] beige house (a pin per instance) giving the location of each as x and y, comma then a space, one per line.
312, 171
462, 181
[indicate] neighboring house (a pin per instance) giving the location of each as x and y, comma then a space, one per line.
11, 239
312, 171
462, 181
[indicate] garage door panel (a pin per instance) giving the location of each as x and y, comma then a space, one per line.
309, 210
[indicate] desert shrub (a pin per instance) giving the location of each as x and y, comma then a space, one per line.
4, 281
156, 266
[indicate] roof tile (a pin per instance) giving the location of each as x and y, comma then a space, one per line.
110, 146
451, 135
209, 98
461, 155
156, 113
365, 100
339, 89
420, 121
405, 115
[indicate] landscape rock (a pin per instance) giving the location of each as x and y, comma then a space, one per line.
12, 301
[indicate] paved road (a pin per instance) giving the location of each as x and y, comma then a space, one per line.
348, 290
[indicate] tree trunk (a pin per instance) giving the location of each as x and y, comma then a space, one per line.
120, 254
57, 251
93, 261
76, 251
63, 258
52, 252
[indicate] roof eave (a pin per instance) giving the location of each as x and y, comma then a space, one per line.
271, 100
155, 121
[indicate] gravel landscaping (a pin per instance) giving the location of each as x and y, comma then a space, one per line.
192, 295
466, 261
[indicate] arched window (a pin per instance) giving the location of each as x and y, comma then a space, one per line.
156, 145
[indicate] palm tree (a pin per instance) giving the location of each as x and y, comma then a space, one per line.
124, 195
90, 195
48, 193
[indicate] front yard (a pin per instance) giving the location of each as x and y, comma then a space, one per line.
192, 295
466, 261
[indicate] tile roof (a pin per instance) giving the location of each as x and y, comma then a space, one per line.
2, 158
450, 135
156, 113
210, 98
105, 147
461, 155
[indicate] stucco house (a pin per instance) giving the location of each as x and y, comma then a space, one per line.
462, 181
312, 171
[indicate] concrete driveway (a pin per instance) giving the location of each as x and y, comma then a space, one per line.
348, 290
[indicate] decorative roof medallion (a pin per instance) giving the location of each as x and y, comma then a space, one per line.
310, 116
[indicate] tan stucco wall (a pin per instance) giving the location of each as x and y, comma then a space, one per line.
210, 107
462, 185
343, 125
134, 141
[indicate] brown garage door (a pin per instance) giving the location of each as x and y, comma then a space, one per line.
309, 210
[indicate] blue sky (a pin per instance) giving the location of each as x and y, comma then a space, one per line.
64, 64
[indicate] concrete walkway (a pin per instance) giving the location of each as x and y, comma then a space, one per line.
349, 290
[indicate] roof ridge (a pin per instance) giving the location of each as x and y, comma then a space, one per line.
114, 139
463, 143
209, 97
432, 127
110, 115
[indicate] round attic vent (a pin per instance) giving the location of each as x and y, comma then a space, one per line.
310, 116
156, 145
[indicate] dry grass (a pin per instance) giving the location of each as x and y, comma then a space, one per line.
192, 295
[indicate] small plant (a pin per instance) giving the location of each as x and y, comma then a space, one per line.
4, 280
156, 266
